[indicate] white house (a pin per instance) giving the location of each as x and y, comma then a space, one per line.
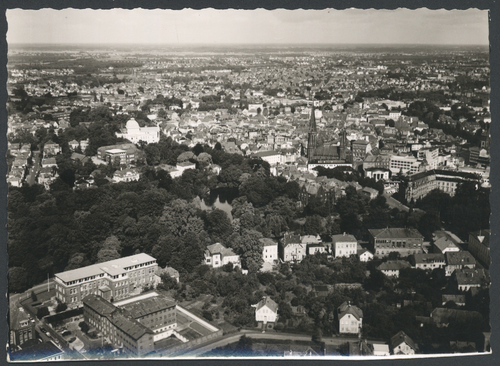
401, 344
218, 255
392, 268
125, 175
266, 312
269, 250
365, 255
350, 318
344, 245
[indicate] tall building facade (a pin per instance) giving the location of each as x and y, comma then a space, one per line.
113, 280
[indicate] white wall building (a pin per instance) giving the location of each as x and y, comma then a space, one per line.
134, 133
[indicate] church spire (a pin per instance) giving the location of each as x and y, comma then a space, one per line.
312, 120
311, 140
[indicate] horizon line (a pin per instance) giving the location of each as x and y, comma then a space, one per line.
241, 44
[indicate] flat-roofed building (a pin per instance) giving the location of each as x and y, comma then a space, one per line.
116, 279
404, 164
125, 153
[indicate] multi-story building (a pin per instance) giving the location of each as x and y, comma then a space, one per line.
157, 313
118, 326
116, 279
429, 261
266, 312
401, 344
350, 318
479, 246
344, 245
420, 184
123, 153
430, 156
134, 133
458, 260
404, 241
404, 164
217, 255
291, 248
22, 327
377, 161
269, 250
446, 241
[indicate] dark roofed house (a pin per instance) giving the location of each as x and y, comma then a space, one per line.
392, 268
350, 318
458, 260
445, 241
266, 312
404, 241
442, 317
457, 299
291, 248
22, 327
466, 278
401, 344
429, 261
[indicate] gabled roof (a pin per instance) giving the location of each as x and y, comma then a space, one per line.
267, 301
347, 308
400, 338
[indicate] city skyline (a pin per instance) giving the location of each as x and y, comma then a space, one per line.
246, 27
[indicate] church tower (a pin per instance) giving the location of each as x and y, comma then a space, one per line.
311, 141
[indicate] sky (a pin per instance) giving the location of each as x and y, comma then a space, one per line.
210, 26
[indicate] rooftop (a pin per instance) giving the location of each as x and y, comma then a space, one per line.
395, 233
113, 267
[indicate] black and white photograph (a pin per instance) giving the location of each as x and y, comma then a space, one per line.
230, 183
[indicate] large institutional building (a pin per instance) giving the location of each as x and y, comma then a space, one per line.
134, 133
113, 280
327, 156
148, 325
420, 184
401, 240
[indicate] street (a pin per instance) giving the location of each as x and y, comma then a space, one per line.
392, 202
196, 352
33, 170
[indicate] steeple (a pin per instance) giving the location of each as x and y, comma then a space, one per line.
311, 140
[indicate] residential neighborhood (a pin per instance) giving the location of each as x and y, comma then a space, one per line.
248, 201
